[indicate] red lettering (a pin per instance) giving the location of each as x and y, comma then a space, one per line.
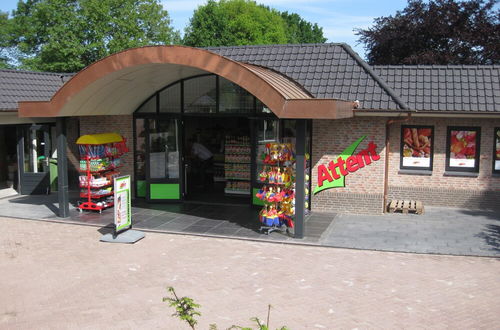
352, 164
333, 169
372, 150
323, 175
341, 166
364, 158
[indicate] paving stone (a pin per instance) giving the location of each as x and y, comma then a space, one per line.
52, 280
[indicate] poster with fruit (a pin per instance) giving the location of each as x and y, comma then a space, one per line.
463, 147
497, 149
417, 146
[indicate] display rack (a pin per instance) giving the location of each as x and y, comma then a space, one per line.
237, 165
278, 192
99, 163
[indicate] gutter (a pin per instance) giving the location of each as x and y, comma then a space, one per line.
428, 114
387, 155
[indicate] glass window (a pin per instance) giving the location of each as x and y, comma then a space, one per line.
163, 149
149, 106
289, 131
233, 98
496, 156
267, 131
140, 149
462, 149
200, 95
170, 99
262, 108
34, 150
417, 147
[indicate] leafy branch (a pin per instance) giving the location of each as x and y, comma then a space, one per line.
185, 307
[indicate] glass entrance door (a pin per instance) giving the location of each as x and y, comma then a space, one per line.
34, 149
163, 165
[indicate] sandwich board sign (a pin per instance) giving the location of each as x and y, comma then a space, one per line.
123, 214
122, 203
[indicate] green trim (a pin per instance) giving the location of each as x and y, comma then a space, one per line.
255, 200
141, 188
164, 191
53, 174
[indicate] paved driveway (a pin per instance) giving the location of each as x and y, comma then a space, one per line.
59, 276
439, 230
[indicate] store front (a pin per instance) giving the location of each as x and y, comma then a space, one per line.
200, 124
201, 139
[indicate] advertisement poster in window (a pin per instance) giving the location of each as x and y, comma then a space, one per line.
463, 148
417, 147
123, 216
497, 150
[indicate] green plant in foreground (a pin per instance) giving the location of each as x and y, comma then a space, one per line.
185, 308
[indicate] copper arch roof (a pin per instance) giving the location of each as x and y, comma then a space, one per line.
282, 95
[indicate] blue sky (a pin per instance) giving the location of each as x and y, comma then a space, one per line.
338, 18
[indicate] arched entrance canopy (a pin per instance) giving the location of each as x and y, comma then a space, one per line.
119, 83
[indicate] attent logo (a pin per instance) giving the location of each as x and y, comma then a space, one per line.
333, 175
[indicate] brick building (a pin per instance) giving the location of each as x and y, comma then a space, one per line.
434, 130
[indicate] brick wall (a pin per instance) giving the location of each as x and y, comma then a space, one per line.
363, 191
481, 192
121, 124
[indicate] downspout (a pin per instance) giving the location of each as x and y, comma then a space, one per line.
387, 153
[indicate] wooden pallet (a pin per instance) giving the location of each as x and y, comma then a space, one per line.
406, 206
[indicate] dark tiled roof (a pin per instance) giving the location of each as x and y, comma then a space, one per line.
18, 86
445, 88
325, 70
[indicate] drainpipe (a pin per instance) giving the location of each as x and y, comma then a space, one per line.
387, 153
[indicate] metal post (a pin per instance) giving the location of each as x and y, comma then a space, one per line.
300, 151
62, 168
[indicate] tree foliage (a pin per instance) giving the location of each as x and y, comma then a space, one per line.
4, 37
300, 31
244, 22
436, 32
67, 35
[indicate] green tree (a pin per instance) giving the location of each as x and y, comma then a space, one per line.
300, 31
436, 32
234, 22
244, 22
67, 35
4, 43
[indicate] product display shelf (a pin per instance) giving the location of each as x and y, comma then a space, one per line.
278, 191
237, 166
100, 158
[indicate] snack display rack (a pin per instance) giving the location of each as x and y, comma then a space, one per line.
278, 192
237, 165
99, 162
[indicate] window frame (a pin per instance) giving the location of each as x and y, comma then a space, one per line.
496, 136
401, 147
448, 167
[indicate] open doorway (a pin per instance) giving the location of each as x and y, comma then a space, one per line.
217, 158
8, 159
